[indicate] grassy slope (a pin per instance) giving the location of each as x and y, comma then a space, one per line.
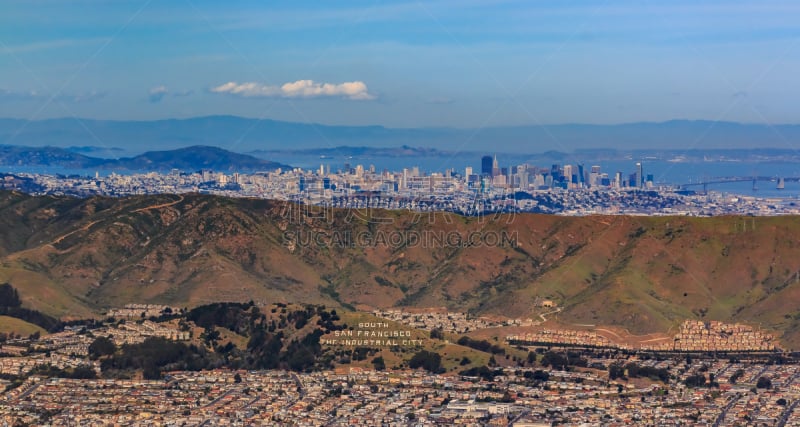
19, 327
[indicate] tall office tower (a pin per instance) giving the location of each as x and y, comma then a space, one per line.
301, 184
639, 176
371, 168
555, 172
495, 167
594, 176
618, 180
539, 181
359, 170
581, 177
321, 170
467, 172
486, 165
568, 175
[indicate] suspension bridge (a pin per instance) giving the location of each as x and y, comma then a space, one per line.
779, 181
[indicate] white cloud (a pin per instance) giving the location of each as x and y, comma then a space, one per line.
158, 93
300, 89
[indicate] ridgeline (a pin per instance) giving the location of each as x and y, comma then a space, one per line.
72, 258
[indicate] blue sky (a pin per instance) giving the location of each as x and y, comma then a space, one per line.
464, 63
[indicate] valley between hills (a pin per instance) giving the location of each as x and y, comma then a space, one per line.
74, 258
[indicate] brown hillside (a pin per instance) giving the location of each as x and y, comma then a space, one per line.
72, 256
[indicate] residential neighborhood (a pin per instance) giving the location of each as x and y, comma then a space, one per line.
573, 387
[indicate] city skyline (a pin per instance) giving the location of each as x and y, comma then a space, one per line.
402, 64
444, 212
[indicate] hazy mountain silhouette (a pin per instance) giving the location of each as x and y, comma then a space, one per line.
186, 159
246, 134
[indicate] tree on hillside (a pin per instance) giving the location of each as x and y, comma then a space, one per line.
9, 296
428, 360
101, 346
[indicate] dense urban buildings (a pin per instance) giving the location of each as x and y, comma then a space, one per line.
559, 189
572, 377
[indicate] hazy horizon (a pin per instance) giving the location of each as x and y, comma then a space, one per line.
466, 127
404, 64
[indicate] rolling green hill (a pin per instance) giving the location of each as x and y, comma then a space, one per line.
18, 327
73, 257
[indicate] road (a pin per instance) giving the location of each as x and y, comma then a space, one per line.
721, 418
521, 414
162, 205
544, 319
27, 392
786, 414
84, 228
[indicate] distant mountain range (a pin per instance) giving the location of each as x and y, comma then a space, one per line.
247, 134
344, 150
185, 159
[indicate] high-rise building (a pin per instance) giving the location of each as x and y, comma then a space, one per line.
495, 166
486, 165
639, 176
568, 175
555, 172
